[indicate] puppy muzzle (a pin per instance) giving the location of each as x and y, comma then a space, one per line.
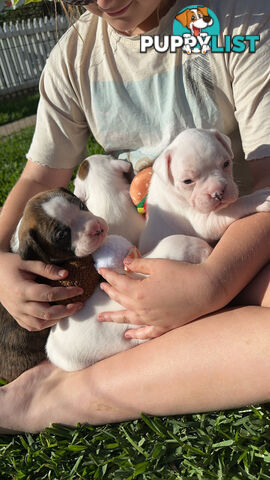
218, 195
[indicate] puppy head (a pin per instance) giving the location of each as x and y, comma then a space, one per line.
198, 168
57, 226
101, 170
193, 16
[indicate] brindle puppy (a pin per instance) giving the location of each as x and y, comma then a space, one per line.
41, 237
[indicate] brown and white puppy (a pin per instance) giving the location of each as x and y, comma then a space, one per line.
195, 19
56, 227
102, 183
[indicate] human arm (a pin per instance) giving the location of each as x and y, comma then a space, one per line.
26, 300
192, 290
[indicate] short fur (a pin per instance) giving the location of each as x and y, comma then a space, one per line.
192, 191
102, 184
19, 348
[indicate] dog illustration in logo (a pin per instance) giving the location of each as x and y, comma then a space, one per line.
195, 19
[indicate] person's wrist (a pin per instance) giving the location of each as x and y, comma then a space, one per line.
210, 288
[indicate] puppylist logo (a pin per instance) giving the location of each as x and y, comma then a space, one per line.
196, 29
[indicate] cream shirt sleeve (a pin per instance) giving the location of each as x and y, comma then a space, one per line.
250, 77
61, 131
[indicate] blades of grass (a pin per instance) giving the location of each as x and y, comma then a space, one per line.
75, 468
133, 443
152, 424
225, 443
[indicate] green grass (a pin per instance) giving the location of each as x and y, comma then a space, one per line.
232, 445
18, 107
12, 158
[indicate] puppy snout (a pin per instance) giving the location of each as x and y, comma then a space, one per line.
218, 195
96, 229
207, 18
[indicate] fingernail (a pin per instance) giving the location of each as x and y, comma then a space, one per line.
101, 285
101, 317
79, 291
74, 306
75, 290
62, 273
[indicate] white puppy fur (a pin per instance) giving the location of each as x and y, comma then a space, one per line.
81, 340
105, 191
192, 191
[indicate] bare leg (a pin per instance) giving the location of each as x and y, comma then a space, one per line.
221, 361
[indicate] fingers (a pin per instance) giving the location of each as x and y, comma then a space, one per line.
121, 316
144, 333
38, 316
140, 265
39, 292
53, 272
122, 283
127, 316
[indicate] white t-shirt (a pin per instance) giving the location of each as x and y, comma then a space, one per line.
136, 103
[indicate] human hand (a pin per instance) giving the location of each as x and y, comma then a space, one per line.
28, 301
173, 294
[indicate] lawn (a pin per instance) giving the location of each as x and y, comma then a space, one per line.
18, 107
228, 445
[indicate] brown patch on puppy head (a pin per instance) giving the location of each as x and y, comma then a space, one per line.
83, 170
42, 237
203, 11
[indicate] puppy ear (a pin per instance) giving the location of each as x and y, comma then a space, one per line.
121, 165
183, 17
162, 167
79, 189
225, 142
30, 249
79, 183
203, 10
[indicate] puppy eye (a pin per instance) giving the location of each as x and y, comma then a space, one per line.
188, 181
61, 235
226, 164
200, 15
83, 206
193, 17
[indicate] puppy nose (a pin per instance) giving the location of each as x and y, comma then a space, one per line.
95, 229
99, 230
207, 18
218, 195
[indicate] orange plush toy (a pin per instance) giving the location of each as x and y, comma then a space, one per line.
139, 189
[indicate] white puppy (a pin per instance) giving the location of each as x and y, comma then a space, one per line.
101, 184
81, 340
192, 191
